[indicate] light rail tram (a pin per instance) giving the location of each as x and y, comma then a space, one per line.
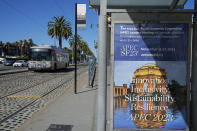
46, 57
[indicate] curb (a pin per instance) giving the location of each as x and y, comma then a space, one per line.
13, 72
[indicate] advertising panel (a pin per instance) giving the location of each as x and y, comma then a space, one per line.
150, 67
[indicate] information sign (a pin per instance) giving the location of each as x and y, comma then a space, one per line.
150, 67
81, 16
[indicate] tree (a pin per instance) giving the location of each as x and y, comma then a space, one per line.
59, 28
1, 43
72, 41
30, 42
17, 47
96, 45
69, 51
25, 45
7, 48
1, 48
72, 44
82, 47
85, 49
21, 47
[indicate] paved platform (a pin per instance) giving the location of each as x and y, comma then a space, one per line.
5, 72
77, 110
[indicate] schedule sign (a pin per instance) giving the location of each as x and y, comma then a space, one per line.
150, 67
81, 16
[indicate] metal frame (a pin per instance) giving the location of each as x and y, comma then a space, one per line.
194, 72
160, 20
188, 75
139, 7
75, 49
102, 67
174, 4
149, 11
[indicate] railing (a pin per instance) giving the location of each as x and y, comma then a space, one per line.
91, 71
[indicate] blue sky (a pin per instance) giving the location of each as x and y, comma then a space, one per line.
189, 4
24, 19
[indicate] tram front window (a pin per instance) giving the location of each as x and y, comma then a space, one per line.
41, 55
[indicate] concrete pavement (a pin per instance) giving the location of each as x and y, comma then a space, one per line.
13, 71
76, 110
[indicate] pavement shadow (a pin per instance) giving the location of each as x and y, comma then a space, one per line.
65, 70
87, 90
58, 70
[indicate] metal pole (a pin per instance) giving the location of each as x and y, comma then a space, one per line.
102, 67
54, 35
75, 48
72, 54
194, 72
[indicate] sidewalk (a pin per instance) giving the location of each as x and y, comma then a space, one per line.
77, 110
13, 71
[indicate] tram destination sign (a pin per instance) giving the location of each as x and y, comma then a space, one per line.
150, 67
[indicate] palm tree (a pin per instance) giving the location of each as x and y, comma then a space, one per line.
7, 48
30, 42
29, 45
17, 47
84, 48
1, 43
1, 48
72, 43
21, 47
25, 44
96, 47
59, 28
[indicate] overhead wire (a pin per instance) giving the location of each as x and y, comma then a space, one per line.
61, 9
24, 15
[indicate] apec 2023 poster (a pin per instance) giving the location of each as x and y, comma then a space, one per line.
150, 67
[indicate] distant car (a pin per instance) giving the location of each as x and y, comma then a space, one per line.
20, 63
9, 62
2, 60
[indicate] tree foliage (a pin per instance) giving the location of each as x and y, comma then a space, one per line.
19, 48
59, 28
82, 46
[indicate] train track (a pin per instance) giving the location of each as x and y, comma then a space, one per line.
20, 90
43, 95
16, 78
31, 86
10, 76
31, 101
13, 90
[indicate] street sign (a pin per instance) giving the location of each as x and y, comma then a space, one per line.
81, 16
